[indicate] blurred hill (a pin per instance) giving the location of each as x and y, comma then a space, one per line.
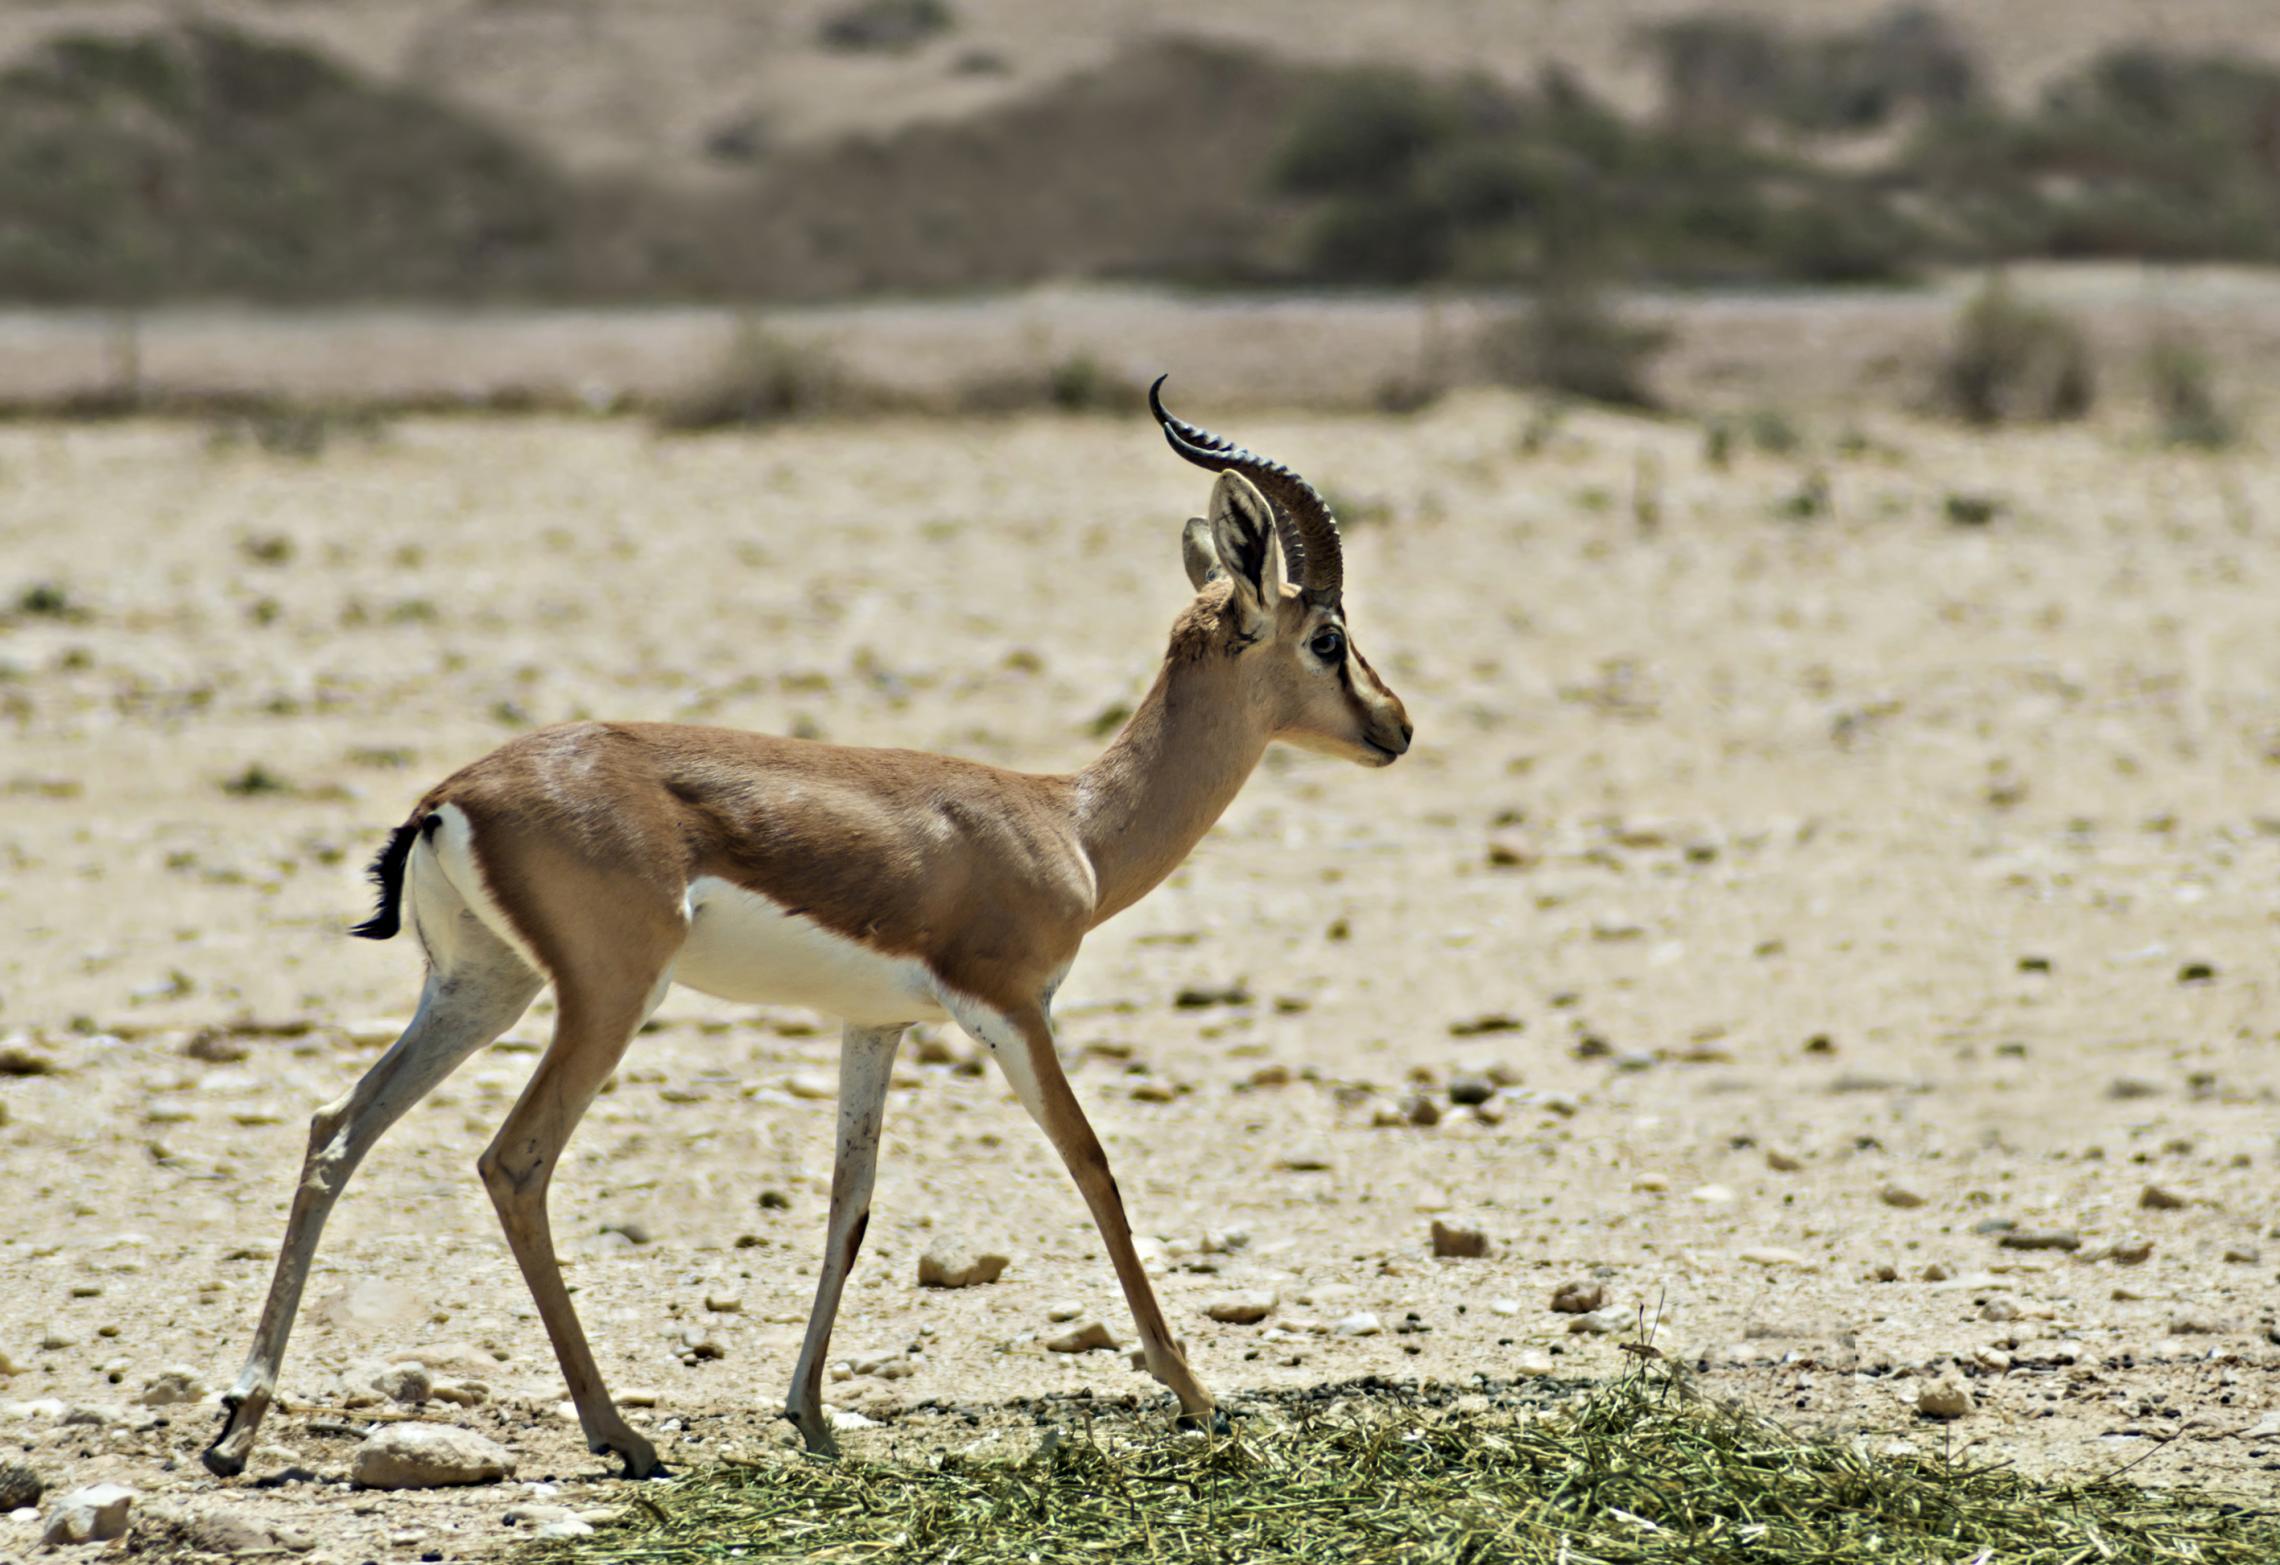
571, 150
689, 90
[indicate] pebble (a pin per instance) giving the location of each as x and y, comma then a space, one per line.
1935, 1272
1305, 1159
1900, 1196
1458, 1240
1651, 1184
1360, 1324
2243, 1254
2041, 1239
1711, 1195
1067, 1309
241, 1532
19, 1486
1241, 1309
95, 1514
1772, 1255
724, 1303
408, 1383
567, 1527
2160, 1198
1578, 1298
172, 1385
1600, 1323
1532, 1361
1946, 1397
1082, 1338
1466, 1089
1783, 1161
1992, 1359
427, 1456
950, 1262
813, 1086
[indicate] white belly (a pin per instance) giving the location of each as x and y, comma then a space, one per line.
744, 946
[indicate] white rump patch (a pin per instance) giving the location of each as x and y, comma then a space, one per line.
746, 947
449, 851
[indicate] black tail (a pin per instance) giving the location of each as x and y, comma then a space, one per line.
387, 873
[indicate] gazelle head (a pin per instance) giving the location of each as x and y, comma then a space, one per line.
1291, 636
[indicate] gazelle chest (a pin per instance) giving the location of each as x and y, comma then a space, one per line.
748, 947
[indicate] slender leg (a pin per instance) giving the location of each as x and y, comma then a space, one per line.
459, 1012
1022, 1042
590, 1036
866, 1059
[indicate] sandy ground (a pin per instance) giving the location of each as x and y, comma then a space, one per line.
1875, 350
1934, 862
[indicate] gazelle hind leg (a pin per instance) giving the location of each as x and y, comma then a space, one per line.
591, 1032
1022, 1043
866, 1060
475, 992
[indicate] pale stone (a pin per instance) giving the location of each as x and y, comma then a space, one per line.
428, 1456
949, 1262
95, 1514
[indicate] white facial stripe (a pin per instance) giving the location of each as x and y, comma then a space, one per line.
748, 947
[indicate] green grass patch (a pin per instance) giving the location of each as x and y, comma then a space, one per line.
1635, 1473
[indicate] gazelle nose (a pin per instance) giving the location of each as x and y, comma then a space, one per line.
1408, 732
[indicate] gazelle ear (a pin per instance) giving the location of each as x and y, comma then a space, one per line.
1243, 532
1199, 554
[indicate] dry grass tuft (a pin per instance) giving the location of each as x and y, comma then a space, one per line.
1636, 1473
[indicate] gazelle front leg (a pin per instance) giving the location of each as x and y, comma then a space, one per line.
866, 1060
1021, 1040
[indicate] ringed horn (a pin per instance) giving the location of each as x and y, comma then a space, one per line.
1303, 521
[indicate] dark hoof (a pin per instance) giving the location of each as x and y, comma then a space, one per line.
220, 1464
1216, 1422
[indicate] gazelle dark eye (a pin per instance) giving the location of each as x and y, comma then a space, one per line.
1329, 644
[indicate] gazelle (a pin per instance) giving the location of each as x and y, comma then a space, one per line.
884, 887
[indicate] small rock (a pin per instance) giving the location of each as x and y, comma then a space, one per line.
1604, 1322
1783, 1161
1082, 1338
1459, 1240
2160, 1198
1466, 1089
1304, 1159
239, 1532
1946, 1397
813, 1086
566, 1527
1578, 1298
1935, 1272
1711, 1195
1067, 1309
1900, 1196
96, 1514
19, 1486
1651, 1184
2133, 1251
1419, 1110
1532, 1361
1772, 1255
1360, 1324
950, 1262
408, 1383
2041, 1239
2126, 1087
216, 1046
172, 1385
428, 1456
2243, 1254
1994, 1360
1241, 1309
724, 1304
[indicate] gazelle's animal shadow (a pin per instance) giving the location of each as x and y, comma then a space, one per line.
884, 887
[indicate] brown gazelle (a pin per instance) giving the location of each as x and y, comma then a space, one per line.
883, 887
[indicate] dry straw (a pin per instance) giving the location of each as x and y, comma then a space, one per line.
1635, 1473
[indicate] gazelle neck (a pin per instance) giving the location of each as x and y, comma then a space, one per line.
1162, 782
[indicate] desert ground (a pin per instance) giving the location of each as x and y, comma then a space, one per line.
1852, 863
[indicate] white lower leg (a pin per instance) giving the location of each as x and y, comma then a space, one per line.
866, 1061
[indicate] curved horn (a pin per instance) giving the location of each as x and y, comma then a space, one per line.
1303, 521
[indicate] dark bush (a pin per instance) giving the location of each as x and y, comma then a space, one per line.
2186, 403
886, 26
1571, 342
2012, 361
1726, 72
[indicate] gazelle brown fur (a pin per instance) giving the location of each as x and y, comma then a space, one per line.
884, 886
